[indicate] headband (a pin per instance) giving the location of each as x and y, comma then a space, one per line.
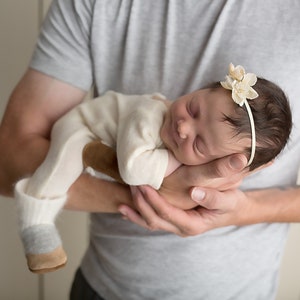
240, 83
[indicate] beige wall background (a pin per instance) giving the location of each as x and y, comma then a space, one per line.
19, 26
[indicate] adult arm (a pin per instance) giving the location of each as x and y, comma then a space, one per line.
35, 104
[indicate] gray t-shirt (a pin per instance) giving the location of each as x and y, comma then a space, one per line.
174, 47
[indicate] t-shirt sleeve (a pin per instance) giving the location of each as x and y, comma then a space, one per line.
63, 46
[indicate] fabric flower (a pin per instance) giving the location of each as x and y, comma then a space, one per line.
240, 83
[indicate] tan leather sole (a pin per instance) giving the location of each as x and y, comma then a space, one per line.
47, 262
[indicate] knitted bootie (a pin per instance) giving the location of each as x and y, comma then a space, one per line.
40, 238
43, 249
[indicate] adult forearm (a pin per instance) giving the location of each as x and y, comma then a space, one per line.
91, 194
35, 104
19, 158
273, 205
86, 194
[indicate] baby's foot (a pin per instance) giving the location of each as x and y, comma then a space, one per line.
47, 262
43, 248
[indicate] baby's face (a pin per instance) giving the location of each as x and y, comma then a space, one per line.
194, 128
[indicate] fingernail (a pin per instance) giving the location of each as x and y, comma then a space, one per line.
238, 162
197, 195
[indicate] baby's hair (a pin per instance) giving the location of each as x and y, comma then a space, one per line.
272, 118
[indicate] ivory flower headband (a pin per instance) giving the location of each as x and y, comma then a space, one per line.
240, 83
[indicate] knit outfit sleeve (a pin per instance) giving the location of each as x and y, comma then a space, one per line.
141, 156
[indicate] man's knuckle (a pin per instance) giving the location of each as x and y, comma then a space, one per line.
182, 234
187, 231
152, 225
165, 216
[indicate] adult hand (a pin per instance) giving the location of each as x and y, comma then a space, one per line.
218, 202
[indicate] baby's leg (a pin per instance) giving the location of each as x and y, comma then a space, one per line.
63, 164
41, 197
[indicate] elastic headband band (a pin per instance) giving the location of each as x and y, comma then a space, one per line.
253, 134
240, 83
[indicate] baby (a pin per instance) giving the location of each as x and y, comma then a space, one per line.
152, 138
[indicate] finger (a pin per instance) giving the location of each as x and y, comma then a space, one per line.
130, 214
220, 172
147, 216
227, 166
135, 217
145, 210
173, 219
232, 183
215, 200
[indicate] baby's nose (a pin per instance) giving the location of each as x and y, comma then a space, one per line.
183, 129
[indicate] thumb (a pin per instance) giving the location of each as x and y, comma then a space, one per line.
232, 163
210, 198
238, 161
